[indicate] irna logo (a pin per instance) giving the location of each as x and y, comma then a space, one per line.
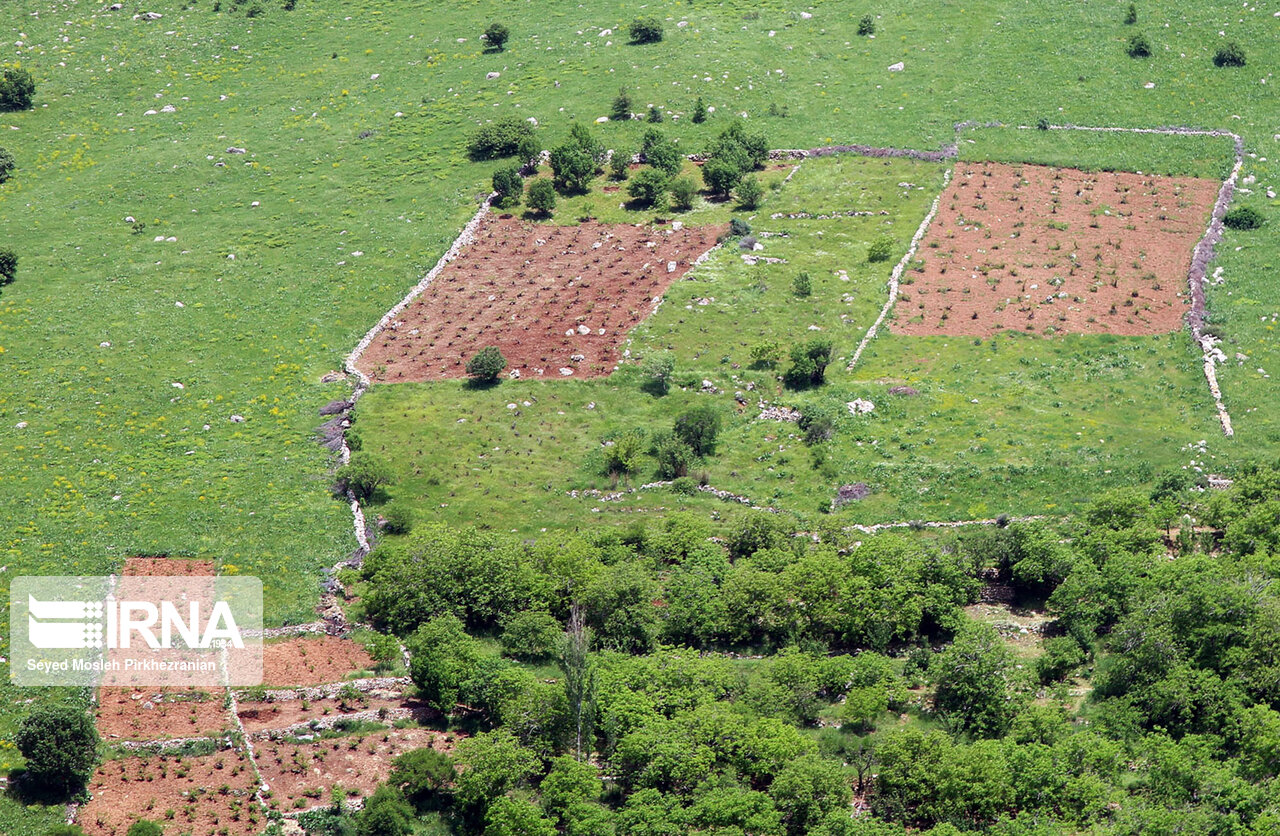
119, 624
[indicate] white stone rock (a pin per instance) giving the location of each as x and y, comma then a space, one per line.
234, 150
584, 329
22, 425
860, 406
104, 344
601, 120
898, 67
168, 109
493, 75
565, 371
671, 266
237, 419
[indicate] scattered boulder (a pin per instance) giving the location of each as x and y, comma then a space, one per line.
335, 407
851, 493
898, 67
147, 16
493, 75
905, 391
234, 150
860, 406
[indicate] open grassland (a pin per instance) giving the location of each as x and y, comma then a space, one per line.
354, 203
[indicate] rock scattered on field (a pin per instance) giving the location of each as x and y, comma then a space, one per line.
234, 150
236, 419
565, 371
493, 75
778, 413
903, 390
709, 388
148, 16
898, 67
860, 406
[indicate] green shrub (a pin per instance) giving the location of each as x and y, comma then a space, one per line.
1139, 46
363, 475
1230, 54
881, 249
645, 30
621, 109
8, 266
622, 455
17, 88
486, 364
1131, 14
1241, 217
683, 193
766, 355
541, 196
7, 165
572, 168
619, 165
143, 827
527, 148
809, 363
531, 635
721, 176
661, 152
496, 35
738, 228
699, 111
802, 285
648, 188
685, 486
657, 369
654, 115
60, 744
749, 193
673, 455
698, 428
867, 26
1042, 124
501, 138
509, 186
290, 5
398, 517
818, 422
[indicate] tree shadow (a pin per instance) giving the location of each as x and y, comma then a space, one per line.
481, 384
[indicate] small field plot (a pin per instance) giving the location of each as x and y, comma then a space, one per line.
556, 301
1052, 250
312, 661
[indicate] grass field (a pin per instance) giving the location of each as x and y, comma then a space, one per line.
355, 202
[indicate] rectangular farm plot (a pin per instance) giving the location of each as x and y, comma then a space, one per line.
556, 301
1048, 250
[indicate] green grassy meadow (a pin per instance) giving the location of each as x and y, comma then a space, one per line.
354, 118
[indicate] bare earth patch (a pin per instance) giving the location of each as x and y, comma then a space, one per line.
1033, 248
312, 661
549, 298
158, 713
281, 714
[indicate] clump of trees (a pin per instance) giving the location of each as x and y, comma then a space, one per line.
506, 137
734, 153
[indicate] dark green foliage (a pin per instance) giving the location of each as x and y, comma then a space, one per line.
491, 764
619, 165
649, 188
975, 692
509, 186
809, 361
881, 249
1230, 54
289, 5
1131, 14
673, 454
64, 830
660, 152
622, 454
398, 517
802, 285
572, 168
721, 176
620, 111
698, 428
7, 165
699, 111
451, 668
144, 827
738, 228
486, 364
363, 475
541, 196
496, 35
818, 422
60, 744
8, 266
645, 30
17, 88
531, 635
656, 369
423, 776
516, 816
806, 791
500, 138
867, 25
1241, 217
385, 813
683, 193
654, 116
1139, 46
749, 193
1042, 124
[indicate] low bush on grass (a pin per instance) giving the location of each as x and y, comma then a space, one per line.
645, 30
496, 35
1230, 54
501, 138
486, 364
1243, 217
1139, 46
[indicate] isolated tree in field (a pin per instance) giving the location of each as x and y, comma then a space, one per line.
7, 164
881, 249
673, 455
749, 193
1131, 14
699, 111
683, 193
581, 136
17, 88
621, 110
509, 186
541, 196
645, 30
619, 165
496, 35
1139, 46
502, 138
1230, 54
486, 364
8, 266
698, 428
648, 188
867, 26
657, 369
809, 363
654, 115
60, 744
363, 475
802, 285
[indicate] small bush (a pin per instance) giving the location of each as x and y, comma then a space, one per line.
699, 112
1230, 54
1131, 14
541, 196
683, 193
496, 35
143, 827
749, 193
531, 635
572, 168
1241, 217
655, 115
684, 485
648, 188
1042, 124
290, 5
721, 176
818, 422
254, 11
809, 363
802, 285
698, 428
738, 227
60, 744
881, 249
8, 266
7, 165
673, 455
657, 369
619, 165
509, 186
660, 152
748, 243
867, 26
399, 518
363, 475
765, 355
621, 110
622, 455
17, 88
645, 30
501, 138
486, 364
1139, 46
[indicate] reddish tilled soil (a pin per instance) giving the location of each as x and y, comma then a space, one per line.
158, 713
1047, 250
281, 714
163, 567
358, 762
206, 795
311, 661
533, 290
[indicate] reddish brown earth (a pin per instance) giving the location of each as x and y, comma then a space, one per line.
522, 286
163, 567
357, 762
1049, 250
157, 713
281, 714
206, 795
311, 661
